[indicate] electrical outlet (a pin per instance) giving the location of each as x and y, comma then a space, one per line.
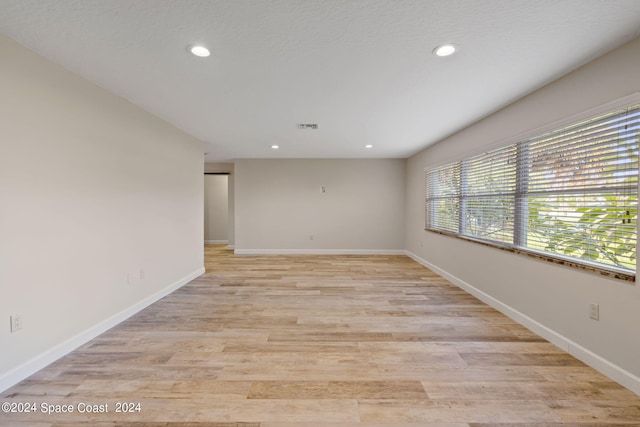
141, 274
16, 323
594, 311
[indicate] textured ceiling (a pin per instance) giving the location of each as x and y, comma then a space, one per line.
361, 69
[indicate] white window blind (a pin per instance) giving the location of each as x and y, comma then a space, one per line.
488, 194
443, 207
569, 194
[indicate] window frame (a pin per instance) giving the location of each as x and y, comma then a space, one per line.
520, 194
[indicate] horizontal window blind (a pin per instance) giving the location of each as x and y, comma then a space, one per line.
488, 191
443, 207
582, 190
571, 193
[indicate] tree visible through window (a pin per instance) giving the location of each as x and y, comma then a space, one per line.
571, 193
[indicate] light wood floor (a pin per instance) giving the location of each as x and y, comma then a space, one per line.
323, 341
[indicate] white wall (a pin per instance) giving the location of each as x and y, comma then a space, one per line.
92, 190
556, 297
216, 209
279, 205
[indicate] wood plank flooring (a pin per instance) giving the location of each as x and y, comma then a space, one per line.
321, 341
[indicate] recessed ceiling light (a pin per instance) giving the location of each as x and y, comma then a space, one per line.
199, 50
445, 50
275, 147
368, 146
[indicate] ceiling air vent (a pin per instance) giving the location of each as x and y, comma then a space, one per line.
307, 126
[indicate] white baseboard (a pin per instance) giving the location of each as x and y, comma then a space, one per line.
216, 242
319, 252
32, 366
604, 366
231, 247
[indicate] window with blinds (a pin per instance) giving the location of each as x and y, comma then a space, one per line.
569, 195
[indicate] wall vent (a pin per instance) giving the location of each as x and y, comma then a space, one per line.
307, 126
